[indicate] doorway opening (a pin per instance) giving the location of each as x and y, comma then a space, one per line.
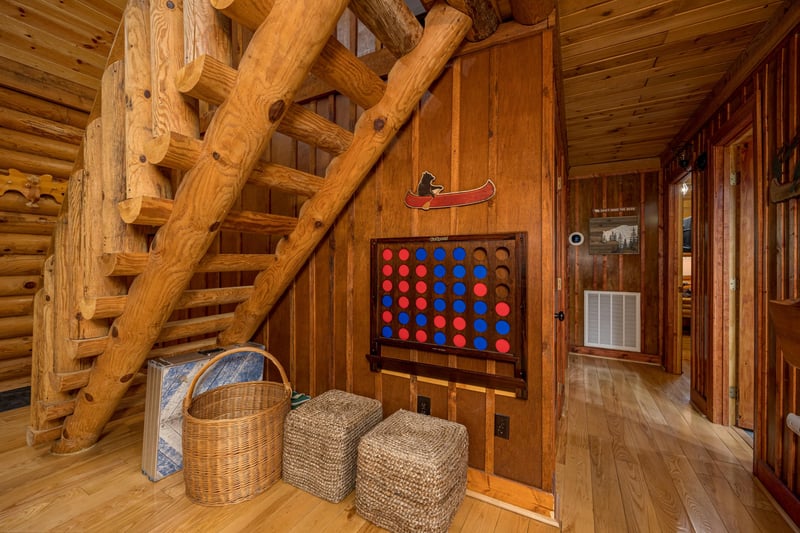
685, 289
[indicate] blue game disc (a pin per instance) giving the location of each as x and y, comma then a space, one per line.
459, 306
386, 332
480, 307
502, 327
459, 289
459, 254
480, 343
459, 271
439, 254
480, 325
439, 304
439, 287
386, 300
421, 320
403, 317
439, 337
421, 254
479, 271
439, 271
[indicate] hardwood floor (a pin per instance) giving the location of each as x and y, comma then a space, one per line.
633, 456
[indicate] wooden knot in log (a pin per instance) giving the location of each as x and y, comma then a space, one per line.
276, 110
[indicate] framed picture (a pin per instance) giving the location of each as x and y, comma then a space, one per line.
614, 235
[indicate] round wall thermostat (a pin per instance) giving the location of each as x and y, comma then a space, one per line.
576, 239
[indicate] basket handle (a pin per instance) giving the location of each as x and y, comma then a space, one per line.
237, 349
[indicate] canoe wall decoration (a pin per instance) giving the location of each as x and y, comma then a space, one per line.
432, 196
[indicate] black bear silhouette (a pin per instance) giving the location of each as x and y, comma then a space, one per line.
426, 186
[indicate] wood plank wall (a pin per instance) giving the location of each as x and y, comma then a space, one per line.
772, 95
491, 115
602, 196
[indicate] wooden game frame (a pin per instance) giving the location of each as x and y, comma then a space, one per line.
502, 289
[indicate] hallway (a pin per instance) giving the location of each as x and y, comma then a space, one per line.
635, 456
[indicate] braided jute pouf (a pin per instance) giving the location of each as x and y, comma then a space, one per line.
412, 473
320, 443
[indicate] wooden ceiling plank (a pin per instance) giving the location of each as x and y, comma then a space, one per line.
672, 54
634, 67
42, 39
650, 164
69, 27
774, 31
91, 10
652, 91
610, 11
50, 67
590, 111
722, 23
628, 28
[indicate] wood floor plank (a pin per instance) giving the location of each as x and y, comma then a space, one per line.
633, 456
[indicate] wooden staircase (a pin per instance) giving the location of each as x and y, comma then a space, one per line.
171, 146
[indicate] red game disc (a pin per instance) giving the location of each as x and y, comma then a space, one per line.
421, 336
421, 304
459, 323
403, 254
502, 346
403, 334
480, 290
387, 316
387, 285
439, 321
387, 254
387, 270
502, 309
459, 341
403, 270
403, 286
421, 271
403, 302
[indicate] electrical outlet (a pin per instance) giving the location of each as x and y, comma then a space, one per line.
501, 423
423, 405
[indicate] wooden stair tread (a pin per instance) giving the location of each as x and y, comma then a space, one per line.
177, 329
149, 211
212, 80
112, 306
133, 263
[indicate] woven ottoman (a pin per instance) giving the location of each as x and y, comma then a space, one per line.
320, 442
412, 473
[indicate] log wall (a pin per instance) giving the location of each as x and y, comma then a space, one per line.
601, 196
26, 226
770, 97
488, 116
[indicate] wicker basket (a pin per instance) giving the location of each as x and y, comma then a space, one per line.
233, 436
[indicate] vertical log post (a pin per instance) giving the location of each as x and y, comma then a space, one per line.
171, 111
284, 46
142, 177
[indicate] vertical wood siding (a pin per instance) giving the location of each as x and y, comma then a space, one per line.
484, 118
623, 272
772, 95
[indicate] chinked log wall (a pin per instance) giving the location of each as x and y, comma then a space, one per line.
771, 95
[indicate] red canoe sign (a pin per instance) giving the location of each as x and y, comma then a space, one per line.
438, 199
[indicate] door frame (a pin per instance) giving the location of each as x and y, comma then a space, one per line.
719, 294
674, 276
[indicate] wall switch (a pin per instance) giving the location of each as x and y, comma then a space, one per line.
423, 405
501, 423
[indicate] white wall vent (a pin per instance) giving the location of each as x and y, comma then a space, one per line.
611, 320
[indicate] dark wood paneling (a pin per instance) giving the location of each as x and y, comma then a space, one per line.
622, 272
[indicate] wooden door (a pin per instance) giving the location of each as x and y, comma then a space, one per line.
742, 325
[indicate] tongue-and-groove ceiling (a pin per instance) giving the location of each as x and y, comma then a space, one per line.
634, 72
